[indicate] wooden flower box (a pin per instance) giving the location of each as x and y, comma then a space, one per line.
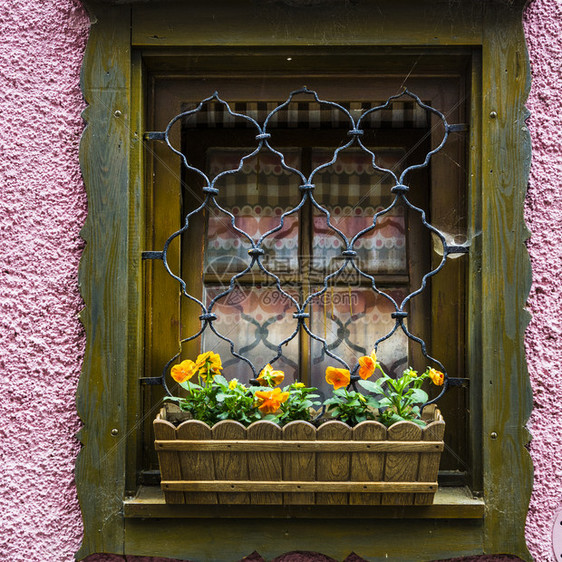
299, 464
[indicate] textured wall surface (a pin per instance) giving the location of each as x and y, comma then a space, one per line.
42, 207
543, 23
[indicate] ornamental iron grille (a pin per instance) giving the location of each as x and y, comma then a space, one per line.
258, 252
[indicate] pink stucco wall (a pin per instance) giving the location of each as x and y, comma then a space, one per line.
543, 23
42, 207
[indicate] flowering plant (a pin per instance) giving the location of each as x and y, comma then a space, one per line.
394, 400
212, 398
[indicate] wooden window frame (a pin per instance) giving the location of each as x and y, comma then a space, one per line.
126, 40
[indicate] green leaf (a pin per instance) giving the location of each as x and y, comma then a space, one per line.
371, 386
219, 379
189, 385
393, 418
373, 402
418, 395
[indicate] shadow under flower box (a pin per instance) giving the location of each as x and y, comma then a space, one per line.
299, 464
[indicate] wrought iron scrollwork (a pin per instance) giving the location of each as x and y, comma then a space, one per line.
256, 252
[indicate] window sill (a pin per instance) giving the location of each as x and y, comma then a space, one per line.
449, 503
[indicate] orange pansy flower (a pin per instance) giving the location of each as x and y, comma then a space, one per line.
367, 365
269, 377
338, 377
184, 371
271, 400
437, 377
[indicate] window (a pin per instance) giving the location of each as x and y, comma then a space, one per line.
140, 59
350, 316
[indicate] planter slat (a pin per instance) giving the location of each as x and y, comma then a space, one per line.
298, 487
429, 463
367, 446
401, 467
299, 466
196, 465
366, 466
333, 466
265, 465
229, 465
169, 463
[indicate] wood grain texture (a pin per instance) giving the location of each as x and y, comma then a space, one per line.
448, 290
266, 488
429, 462
219, 540
196, 465
474, 343
333, 466
506, 279
104, 282
248, 23
449, 503
400, 467
367, 446
170, 467
299, 466
367, 466
162, 192
137, 433
264, 465
230, 466
305, 472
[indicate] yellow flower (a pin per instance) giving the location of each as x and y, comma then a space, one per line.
337, 377
270, 400
184, 371
298, 385
269, 377
233, 384
436, 376
208, 362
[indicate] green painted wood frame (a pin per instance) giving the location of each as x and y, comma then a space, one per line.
111, 280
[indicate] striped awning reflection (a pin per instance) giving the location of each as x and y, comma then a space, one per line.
308, 115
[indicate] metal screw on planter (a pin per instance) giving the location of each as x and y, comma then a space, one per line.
296, 444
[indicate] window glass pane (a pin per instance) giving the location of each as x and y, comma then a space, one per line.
351, 320
353, 192
257, 319
257, 196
